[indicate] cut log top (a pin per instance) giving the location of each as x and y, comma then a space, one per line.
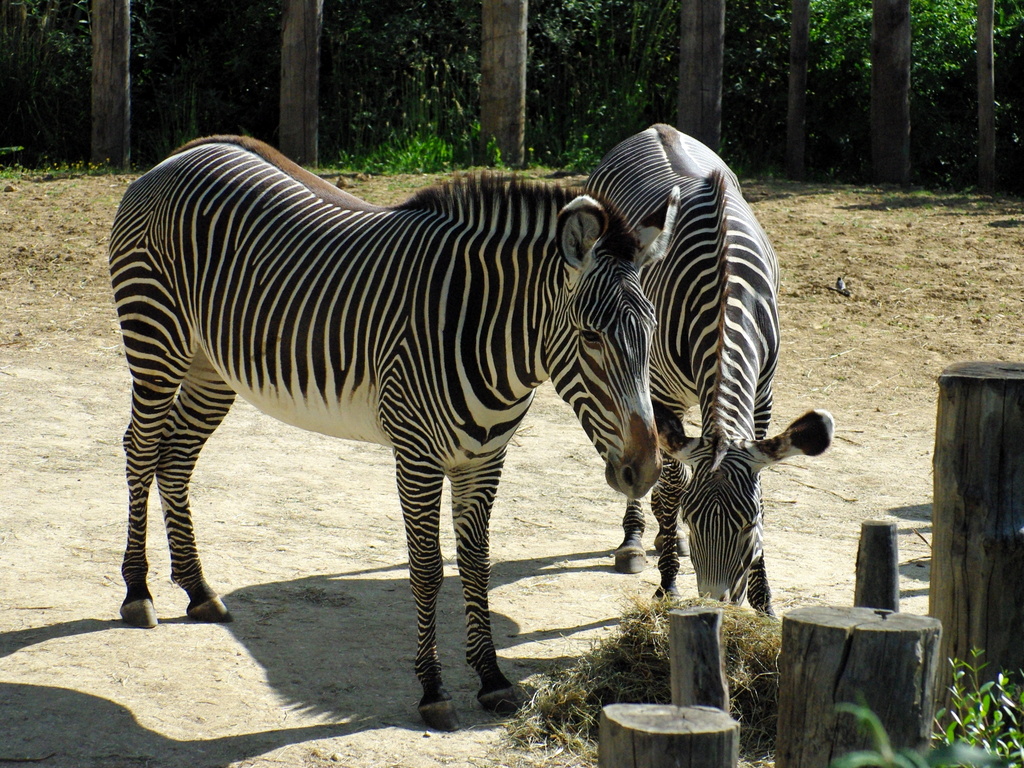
669, 719
862, 618
984, 370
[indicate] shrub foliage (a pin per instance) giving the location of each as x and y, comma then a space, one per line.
400, 81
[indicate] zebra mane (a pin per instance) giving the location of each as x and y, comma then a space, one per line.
717, 183
487, 195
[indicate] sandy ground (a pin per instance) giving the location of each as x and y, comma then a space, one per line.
302, 534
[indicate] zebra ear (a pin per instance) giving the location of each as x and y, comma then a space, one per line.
656, 231
672, 437
810, 435
580, 224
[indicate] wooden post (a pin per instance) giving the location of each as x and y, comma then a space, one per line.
986, 98
796, 113
503, 79
696, 660
701, 56
978, 514
300, 80
878, 576
665, 736
887, 661
890, 91
111, 82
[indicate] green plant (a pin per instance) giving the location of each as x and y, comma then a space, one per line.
884, 756
985, 713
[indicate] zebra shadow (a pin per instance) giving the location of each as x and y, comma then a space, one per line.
339, 647
358, 631
63, 728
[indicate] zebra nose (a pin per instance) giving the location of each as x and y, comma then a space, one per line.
634, 478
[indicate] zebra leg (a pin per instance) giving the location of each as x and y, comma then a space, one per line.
151, 401
759, 593
630, 556
419, 487
473, 491
202, 403
665, 502
666, 497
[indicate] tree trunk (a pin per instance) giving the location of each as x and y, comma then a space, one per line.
878, 576
978, 514
796, 115
111, 82
696, 660
886, 661
300, 80
890, 91
503, 80
701, 51
986, 99
664, 736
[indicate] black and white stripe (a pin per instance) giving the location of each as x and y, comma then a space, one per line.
424, 327
716, 347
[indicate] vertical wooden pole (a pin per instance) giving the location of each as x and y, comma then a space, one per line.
986, 99
796, 113
300, 80
701, 55
878, 577
890, 91
503, 79
111, 82
978, 514
696, 661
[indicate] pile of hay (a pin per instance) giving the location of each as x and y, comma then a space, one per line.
632, 666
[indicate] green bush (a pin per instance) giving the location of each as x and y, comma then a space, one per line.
988, 714
400, 78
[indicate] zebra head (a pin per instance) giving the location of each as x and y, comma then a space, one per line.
722, 502
598, 347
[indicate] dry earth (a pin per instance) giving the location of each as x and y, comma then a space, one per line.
303, 537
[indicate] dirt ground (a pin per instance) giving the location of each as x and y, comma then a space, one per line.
302, 535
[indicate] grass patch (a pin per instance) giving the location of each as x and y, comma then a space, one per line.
632, 666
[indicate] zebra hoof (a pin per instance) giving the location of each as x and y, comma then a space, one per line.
139, 613
501, 702
630, 560
440, 715
211, 611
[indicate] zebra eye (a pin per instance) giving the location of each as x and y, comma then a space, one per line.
591, 338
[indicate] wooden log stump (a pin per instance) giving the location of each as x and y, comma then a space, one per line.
878, 576
978, 514
886, 661
696, 660
666, 736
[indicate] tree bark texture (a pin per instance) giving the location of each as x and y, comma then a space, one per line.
701, 52
665, 736
111, 82
503, 79
300, 80
886, 661
978, 514
890, 91
986, 98
878, 576
696, 659
796, 113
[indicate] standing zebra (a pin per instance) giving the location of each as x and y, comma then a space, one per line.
716, 346
424, 327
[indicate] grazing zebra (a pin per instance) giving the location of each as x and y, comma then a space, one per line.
424, 327
716, 346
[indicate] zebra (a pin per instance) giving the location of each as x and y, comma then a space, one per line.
424, 327
716, 347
